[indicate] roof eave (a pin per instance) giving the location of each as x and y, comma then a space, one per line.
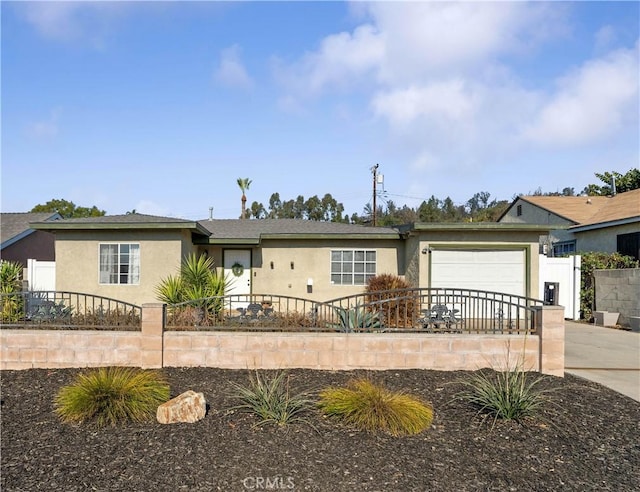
602, 225
16, 238
96, 226
331, 236
480, 227
228, 241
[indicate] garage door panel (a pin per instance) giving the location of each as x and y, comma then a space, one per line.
492, 270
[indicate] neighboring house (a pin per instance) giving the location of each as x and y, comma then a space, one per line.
582, 223
126, 256
21, 243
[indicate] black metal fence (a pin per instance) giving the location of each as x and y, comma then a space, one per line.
404, 310
67, 310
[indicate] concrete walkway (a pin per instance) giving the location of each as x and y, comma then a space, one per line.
604, 355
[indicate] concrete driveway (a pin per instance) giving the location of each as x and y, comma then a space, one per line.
604, 355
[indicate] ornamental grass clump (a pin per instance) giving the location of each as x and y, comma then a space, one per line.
512, 394
112, 395
372, 407
271, 400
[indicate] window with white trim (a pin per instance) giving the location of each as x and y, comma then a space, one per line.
119, 263
564, 248
352, 266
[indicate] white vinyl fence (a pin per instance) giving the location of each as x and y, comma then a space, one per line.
565, 272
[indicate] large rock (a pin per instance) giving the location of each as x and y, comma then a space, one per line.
187, 407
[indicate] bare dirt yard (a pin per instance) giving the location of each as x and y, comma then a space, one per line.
587, 439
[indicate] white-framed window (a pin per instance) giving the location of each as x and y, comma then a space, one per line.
564, 248
352, 266
119, 263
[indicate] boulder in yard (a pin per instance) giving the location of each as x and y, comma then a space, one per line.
187, 407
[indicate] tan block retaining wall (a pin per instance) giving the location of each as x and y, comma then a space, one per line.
154, 348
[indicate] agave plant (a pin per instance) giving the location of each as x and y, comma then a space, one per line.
357, 318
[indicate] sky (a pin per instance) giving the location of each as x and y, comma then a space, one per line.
160, 107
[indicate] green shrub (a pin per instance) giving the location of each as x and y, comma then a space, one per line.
271, 400
112, 395
12, 303
512, 394
371, 407
598, 261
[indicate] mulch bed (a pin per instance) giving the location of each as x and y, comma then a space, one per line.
588, 439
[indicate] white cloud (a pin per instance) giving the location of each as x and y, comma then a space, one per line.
86, 21
45, 129
151, 208
591, 103
231, 71
409, 43
449, 100
53, 19
605, 37
342, 60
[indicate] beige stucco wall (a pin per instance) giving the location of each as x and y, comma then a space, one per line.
77, 261
418, 264
311, 260
604, 240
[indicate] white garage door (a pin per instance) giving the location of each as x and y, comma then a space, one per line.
493, 270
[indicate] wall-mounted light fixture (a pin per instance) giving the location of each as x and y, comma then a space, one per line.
271, 264
292, 265
309, 285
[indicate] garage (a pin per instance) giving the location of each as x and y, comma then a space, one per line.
479, 269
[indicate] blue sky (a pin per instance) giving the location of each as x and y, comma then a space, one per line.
161, 106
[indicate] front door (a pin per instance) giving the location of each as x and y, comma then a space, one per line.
237, 268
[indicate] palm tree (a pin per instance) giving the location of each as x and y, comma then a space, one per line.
244, 183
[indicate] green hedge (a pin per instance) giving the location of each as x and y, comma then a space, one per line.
598, 261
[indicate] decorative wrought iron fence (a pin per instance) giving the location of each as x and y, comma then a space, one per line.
67, 310
244, 312
403, 310
442, 311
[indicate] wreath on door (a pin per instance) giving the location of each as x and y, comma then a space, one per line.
237, 269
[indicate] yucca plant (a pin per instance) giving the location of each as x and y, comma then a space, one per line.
513, 394
271, 400
372, 407
108, 396
357, 318
198, 283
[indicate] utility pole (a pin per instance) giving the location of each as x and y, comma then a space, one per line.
374, 170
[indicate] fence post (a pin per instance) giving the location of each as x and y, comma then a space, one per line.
549, 324
151, 345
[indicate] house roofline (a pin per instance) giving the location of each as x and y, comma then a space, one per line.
548, 210
27, 232
604, 225
105, 226
474, 227
212, 240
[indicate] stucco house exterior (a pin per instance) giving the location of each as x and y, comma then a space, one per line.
582, 223
126, 256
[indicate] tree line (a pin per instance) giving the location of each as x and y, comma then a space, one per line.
479, 208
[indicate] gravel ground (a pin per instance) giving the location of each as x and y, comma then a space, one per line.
587, 439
